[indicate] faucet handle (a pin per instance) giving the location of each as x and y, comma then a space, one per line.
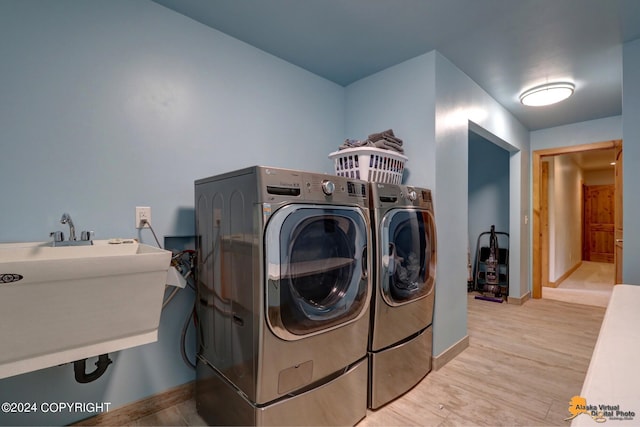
86, 235
58, 236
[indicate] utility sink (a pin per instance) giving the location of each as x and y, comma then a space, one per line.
62, 304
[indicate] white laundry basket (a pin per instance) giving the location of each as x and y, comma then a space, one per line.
369, 164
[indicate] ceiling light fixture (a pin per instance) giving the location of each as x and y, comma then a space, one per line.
547, 94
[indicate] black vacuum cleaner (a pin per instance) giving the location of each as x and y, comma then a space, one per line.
491, 272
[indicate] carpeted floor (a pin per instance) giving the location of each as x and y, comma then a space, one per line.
591, 284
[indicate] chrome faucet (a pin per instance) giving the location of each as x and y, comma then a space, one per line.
58, 236
66, 219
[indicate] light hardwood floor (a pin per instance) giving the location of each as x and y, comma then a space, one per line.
522, 366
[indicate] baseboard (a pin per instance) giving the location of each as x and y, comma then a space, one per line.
519, 300
566, 274
127, 414
449, 354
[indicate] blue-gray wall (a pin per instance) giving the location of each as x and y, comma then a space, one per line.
111, 104
631, 161
401, 98
488, 191
432, 105
588, 132
461, 105
108, 105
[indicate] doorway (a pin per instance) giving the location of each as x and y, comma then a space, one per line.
570, 256
488, 198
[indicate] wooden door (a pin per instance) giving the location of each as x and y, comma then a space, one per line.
599, 223
618, 216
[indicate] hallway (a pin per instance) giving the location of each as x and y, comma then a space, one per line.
591, 284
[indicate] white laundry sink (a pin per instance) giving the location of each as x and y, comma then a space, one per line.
62, 304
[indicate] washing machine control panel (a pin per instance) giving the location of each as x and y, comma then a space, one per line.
394, 195
283, 186
356, 189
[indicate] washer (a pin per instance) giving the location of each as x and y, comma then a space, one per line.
404, 236
283, 298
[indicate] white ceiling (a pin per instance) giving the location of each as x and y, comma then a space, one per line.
594, 159
505, 46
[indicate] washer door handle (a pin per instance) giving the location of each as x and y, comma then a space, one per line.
365, 265
391, 259
237, 319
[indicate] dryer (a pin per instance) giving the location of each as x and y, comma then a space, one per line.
283, 298
404, 236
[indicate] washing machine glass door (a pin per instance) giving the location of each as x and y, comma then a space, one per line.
407, 265
316, 269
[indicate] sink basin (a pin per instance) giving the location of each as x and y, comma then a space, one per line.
61, 304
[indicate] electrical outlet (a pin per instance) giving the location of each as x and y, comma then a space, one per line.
143, 213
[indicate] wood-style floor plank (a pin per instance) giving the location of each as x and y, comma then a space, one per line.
522, 366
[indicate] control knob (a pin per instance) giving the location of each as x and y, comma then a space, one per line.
328, 187
411, 195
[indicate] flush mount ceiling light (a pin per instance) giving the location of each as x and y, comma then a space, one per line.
547, 94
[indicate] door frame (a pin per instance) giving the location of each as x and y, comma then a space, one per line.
540, 250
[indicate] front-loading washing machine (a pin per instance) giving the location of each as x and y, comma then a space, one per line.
400, 347
283, 298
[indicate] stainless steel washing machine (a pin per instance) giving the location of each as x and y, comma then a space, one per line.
404, 272
283, 298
